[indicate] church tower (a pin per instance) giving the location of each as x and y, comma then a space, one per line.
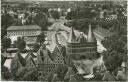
78, 48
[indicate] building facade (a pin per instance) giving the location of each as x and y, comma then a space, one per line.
78, 48
50, 64
29, 32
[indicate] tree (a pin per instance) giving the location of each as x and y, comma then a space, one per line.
81, 24
5, 73
6, 20
41, 38
70, 15
55, 14
115, 53
86, 13
3, 32
6, 43
21, 44
41, 20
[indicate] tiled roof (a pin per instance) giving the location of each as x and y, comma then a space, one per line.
28, 27
30, 58
55, 52
40, 55
29, 54
51, 56
19, 58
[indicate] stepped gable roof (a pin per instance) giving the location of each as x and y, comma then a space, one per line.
30, 54
72, 37
91, 36
25, 27
19, 58
69, 73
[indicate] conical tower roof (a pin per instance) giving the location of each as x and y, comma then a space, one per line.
91, 36
72, 37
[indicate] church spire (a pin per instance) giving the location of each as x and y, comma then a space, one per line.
72, 36
91, 36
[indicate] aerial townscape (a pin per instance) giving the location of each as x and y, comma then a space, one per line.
64, 40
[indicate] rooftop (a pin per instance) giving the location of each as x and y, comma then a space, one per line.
25, 27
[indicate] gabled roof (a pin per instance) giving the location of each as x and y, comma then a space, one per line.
30, 58
40, 55
58, 54
19, 58
56, 50
25, 27
91, 36
47, 53
30, 54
